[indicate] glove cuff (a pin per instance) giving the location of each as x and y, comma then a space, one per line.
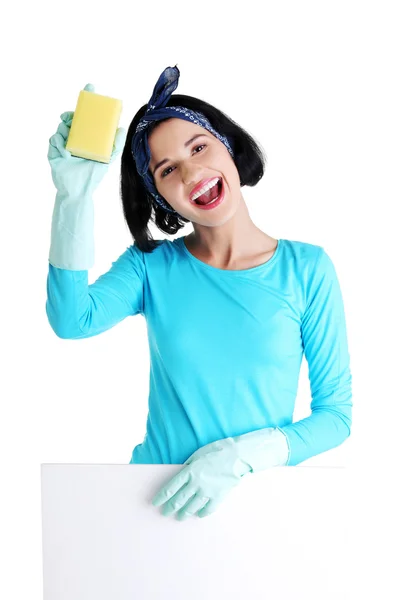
262, 449
72, 233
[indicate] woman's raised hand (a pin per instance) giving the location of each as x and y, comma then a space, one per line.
72, 175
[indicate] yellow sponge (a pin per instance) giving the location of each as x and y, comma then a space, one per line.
94, 126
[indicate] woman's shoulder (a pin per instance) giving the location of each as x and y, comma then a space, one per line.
160, 253
303, 251
309, 260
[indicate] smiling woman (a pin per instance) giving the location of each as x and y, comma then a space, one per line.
182, 155
230, 311
195, 174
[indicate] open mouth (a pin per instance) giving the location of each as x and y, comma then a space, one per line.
210, 195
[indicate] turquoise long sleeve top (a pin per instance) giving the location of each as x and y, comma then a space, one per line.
225, 346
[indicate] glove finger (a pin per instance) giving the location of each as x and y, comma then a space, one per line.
63, 130
120, 139
195, 503
89, 87
119, 143
57, 147
180, 499
67, 117
209, 508
171, 488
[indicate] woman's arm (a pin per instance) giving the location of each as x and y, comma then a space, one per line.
324, 338
77, 310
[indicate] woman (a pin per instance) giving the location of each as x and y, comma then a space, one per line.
230, 310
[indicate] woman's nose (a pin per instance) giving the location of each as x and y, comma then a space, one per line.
190, 176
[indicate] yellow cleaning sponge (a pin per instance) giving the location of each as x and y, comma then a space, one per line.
94, 126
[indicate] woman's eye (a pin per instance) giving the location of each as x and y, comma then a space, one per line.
164, 173
201, 146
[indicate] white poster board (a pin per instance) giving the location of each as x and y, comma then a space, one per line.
283, 534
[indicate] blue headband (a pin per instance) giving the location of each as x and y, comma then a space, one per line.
157, 111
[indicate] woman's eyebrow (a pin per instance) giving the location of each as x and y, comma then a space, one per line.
159, 164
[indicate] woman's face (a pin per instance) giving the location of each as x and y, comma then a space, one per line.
186, 166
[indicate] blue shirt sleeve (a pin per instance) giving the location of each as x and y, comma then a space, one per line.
324, 338
77, 310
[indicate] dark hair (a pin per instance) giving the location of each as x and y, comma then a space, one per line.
139, 206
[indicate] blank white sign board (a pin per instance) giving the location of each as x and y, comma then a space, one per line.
282, 534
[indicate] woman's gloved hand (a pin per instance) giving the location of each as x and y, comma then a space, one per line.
72, 244
74, 176
213, 470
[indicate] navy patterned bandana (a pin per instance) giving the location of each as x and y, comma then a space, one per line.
157, 111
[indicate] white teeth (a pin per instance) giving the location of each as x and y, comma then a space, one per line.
205, 188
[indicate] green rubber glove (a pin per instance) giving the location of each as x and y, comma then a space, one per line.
213, 470
72, 228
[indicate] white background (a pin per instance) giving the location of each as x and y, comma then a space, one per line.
316, 83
